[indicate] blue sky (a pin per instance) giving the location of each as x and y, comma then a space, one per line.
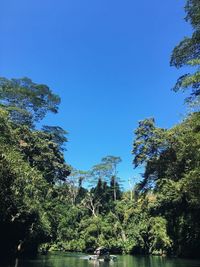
109, 62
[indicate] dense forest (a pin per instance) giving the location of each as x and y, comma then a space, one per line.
43, 200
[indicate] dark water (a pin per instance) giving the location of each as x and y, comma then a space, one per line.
79, 260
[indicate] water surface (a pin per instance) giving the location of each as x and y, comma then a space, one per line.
61, 259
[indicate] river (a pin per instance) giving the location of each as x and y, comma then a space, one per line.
79, 260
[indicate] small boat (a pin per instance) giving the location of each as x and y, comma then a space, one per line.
102, 254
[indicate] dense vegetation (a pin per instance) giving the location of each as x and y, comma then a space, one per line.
43, 200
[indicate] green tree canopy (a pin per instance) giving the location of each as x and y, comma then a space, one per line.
187, 53
26, 101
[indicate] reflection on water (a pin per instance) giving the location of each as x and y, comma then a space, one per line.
79, 260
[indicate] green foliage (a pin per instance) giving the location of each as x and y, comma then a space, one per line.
22, 189
31, 163
57, 134
171, 159
26, 101
187, 53
159, 240
41, 151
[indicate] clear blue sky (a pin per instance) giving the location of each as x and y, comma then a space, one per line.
107, 59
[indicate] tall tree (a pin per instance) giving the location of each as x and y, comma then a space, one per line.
171, 168
23, 192
187, 53
31, 165
113, 162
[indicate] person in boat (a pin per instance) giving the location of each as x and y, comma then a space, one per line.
101, 251
20, 247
